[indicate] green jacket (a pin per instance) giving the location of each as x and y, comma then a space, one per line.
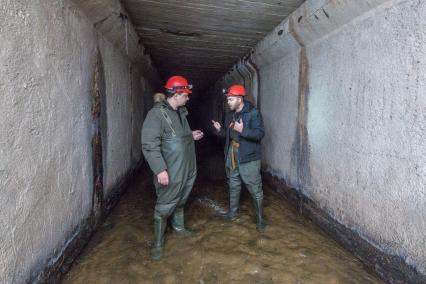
162, 122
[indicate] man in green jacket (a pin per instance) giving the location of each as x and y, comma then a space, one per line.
168, 146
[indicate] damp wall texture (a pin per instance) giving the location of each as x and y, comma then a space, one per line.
127, 92
48, 54
341, 87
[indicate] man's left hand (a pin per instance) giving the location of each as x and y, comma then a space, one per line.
239, 126
197, 135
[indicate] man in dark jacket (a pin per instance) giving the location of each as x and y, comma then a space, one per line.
168, 146
244, 132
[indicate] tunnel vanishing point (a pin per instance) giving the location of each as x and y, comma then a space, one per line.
341, 86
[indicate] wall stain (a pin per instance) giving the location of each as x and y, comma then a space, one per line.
300, 153
180, 33
256, 68
97, 156
326, 14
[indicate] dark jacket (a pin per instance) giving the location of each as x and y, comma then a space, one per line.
250, 138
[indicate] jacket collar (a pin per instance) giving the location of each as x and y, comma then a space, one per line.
183, 110
247, 107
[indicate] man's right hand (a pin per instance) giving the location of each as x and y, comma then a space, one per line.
163, 178
216, 125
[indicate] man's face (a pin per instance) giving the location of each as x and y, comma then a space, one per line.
234, 102
182, 99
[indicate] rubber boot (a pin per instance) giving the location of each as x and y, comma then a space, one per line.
178, 223
158, 245
234, 204
260, 222
233, 209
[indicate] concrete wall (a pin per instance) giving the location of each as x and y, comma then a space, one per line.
48, 53
119, 77
342, 92
127, 91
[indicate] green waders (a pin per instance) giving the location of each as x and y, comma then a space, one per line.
179, 154
249, 173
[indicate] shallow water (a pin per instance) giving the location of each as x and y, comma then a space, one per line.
292, 249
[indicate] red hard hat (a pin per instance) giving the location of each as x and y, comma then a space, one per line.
178, 84
236, 90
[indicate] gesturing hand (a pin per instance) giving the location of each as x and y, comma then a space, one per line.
197, 135
163, 178
216, 125
239, 126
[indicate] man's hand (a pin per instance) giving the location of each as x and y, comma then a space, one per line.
217, 125
197, 135
239, 126
163, 178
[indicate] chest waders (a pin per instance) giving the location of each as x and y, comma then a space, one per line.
249, 174
178, 151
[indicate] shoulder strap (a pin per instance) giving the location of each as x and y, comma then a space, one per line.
167, 119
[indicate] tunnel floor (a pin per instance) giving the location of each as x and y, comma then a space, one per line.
292, 249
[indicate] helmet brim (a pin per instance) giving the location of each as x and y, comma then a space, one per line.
184, 91
234, 95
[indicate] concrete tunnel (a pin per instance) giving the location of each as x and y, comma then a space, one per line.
341, 86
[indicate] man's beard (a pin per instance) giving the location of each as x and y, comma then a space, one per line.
233, 107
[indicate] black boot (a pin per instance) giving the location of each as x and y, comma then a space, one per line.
158, 245
260, 222
232, 212
178, 223
234, 204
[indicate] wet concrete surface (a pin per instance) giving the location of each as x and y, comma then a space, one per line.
292, 249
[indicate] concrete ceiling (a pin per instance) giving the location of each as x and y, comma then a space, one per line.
202, 39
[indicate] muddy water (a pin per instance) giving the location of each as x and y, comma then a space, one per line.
292, 250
